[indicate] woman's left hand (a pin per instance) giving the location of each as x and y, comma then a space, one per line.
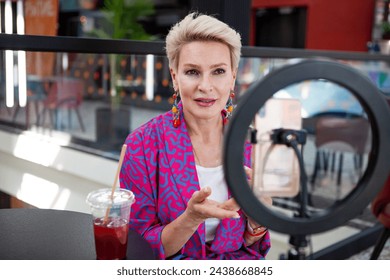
231, 203
265, 199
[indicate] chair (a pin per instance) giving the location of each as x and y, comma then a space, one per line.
338, 135
380, 207
64, 93
35, 94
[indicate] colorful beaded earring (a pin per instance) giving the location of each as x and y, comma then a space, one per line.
227, 112
175, 110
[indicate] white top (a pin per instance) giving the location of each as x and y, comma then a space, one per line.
214, 178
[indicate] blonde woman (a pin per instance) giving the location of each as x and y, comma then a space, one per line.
173, 163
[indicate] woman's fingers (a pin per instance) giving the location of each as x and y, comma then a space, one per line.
230, 204
204, 208
221, 213
248, 172
266, 200
201, 195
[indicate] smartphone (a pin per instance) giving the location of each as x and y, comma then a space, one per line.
275, 166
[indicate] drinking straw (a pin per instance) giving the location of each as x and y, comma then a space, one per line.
122, 155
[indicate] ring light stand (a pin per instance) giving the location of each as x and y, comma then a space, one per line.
367, 187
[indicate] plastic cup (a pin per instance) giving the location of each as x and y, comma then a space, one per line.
110, 222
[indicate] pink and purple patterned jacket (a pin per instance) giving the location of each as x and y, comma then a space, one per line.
159, 168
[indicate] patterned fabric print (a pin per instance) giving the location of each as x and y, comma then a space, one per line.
159, 168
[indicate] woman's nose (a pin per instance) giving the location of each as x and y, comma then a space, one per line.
205, 84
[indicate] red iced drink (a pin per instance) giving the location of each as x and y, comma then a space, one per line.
110, 214
110, 238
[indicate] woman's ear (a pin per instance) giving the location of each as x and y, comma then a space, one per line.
173, 76
234, 78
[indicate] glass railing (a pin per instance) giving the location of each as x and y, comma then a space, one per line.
89, 94
84, 98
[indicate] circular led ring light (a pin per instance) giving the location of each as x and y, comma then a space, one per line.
369, 184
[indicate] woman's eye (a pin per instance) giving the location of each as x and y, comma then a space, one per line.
219, 71
191, 72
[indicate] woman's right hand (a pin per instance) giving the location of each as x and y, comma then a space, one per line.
200, 208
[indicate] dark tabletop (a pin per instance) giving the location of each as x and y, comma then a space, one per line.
42, 234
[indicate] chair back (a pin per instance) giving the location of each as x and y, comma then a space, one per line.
342, 134
65, 93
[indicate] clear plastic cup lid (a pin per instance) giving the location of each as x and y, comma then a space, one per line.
102, 198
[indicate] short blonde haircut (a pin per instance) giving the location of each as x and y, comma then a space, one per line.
201, 27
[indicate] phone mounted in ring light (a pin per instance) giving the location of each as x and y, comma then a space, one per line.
368, 186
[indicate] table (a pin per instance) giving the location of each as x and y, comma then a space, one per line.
46, 234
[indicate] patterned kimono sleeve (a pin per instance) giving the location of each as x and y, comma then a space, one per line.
138, 176
262, 246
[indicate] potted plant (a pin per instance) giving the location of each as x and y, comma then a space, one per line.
122, 19
122, 22
385, 27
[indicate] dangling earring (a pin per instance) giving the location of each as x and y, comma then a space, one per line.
227, 112
175, 110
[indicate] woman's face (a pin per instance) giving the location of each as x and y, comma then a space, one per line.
204, 78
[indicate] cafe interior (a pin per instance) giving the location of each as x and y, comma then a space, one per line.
72, 87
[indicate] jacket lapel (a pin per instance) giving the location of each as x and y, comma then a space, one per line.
180, 157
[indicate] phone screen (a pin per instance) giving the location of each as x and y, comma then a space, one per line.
275, 166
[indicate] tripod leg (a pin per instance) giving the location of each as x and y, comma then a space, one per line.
317, 166
380, 244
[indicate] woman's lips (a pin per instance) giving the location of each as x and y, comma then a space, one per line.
204, 102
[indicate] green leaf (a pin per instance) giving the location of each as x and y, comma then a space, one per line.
123, 19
